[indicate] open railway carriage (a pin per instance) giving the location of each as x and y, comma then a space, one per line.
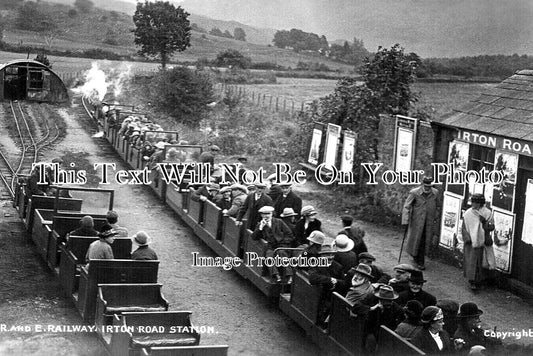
343, 334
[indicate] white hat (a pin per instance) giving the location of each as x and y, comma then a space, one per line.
141, 238
266, 209
317, 237
344, 243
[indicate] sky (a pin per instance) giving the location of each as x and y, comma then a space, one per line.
428, 27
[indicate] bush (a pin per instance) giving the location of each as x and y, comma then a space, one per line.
41, 57
182, 93
233, 59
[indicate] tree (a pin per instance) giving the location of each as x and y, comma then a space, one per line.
227, 34
233, 59
183, 93
30, 17
161, 29
215, 31
357, 106
84, 6
41, 57
239, 34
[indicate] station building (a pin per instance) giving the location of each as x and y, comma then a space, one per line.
495, 132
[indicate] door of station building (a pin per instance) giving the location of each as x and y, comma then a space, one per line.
522, 263
15, 83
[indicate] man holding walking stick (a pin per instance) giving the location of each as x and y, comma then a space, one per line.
419, 217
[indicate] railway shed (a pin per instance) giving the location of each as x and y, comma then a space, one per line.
31, 80
495, 132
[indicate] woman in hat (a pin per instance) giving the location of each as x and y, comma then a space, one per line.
143, 251
469, 331
307, 224
432, 338
101, 249
477, 224
411, 324
344, 254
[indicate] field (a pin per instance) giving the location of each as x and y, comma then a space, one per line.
439, 98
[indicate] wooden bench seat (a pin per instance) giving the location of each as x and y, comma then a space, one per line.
110, 272
133, 339
201, 350
345, 330
392, 344
49, 203
73, 255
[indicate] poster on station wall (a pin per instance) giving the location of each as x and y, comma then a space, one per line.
458, 156
503, 193
314, 150
348, 151
503, 239
332, 144
404, 145
451, 213
527, 227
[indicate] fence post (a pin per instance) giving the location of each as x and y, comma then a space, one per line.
284, 104
277, 100
292, 110
302, 108
270, 104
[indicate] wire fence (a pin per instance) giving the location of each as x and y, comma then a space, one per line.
262, 100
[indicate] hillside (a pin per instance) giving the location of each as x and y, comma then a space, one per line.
111, 31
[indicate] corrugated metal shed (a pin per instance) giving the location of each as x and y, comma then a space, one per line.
505, 110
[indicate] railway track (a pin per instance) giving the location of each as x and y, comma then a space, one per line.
30, 139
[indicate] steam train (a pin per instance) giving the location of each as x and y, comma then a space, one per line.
300, 300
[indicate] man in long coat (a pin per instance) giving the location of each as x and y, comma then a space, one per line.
288, 199
252, 204
420, 215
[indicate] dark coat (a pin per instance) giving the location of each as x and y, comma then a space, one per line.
346, 259
199, 192
420, 214
423, 297
390, 316
144, 253
290, 201
278, 235
301, 233
223, 203
425, 342
474, 337
251, 206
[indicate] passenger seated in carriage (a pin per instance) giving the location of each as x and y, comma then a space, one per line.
101, 249
143, 251
86, 228
276, 234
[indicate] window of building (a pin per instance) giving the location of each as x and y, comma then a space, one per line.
36, 80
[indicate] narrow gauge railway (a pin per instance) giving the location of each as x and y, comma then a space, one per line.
31, 139
299, 300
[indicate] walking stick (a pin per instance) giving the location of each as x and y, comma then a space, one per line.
403, 240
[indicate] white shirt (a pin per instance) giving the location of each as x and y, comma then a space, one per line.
437, 339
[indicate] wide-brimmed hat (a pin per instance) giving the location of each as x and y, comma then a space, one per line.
260, 185
386, 292
251, 187
478, 198
344, 243
417, 277
404, 267
317, 237
468, 310
363, 269
365, 255
413, 308
265, 210
141, 238
308, 210
161, 145
214, 148
431, 314
448, 306
288, 212
239, 187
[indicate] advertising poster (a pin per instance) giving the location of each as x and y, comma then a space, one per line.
527, 228
451, 211
503, 239
458, 156
314, 150
503, 193
332, 143
404, 147
348, 151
